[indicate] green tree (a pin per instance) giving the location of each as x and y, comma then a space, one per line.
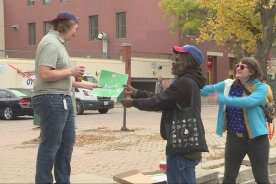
187, 15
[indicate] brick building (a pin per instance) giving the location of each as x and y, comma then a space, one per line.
139, 22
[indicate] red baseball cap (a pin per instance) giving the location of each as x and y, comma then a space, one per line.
194, 51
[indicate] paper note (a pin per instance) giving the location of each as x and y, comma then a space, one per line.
111, 83
156, 178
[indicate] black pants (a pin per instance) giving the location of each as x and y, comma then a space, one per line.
258, 152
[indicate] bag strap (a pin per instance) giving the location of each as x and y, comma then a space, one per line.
248, 92
192, 104
271, 131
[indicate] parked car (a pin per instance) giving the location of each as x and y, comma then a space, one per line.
26, 91
86, 101
90, 78
14, 103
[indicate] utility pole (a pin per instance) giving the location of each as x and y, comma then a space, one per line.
2, 30
126, 58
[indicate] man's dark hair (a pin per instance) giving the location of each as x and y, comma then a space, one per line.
62, 26
187, 58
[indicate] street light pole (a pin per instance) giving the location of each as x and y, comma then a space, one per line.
104, 37
126, 58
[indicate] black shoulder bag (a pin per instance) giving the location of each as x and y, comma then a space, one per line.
185, 133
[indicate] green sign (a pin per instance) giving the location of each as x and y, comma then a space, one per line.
111, 83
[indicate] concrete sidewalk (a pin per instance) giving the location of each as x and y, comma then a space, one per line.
90, 178
101, 149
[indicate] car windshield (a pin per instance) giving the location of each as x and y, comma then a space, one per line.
90, 79
18, 93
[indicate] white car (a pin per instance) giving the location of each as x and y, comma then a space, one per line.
86, 101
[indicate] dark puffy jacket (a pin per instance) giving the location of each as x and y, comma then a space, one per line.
179, 92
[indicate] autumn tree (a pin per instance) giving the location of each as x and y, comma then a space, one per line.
248, 27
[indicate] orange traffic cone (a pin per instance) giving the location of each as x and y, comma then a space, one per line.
271, 131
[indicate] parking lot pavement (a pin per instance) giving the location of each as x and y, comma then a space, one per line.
101, 149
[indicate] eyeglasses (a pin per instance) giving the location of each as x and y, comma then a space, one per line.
241, 66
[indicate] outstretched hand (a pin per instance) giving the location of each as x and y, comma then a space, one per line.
78, 71
129, 90
85, 84
127, 102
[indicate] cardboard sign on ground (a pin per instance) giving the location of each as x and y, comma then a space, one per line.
135, 177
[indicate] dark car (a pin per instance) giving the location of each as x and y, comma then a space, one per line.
14, 103
27, 92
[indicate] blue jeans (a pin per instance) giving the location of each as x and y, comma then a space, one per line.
57, 137
180, 170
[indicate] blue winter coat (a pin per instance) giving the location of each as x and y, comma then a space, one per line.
253, 113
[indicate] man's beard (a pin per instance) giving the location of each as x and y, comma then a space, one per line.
178, 70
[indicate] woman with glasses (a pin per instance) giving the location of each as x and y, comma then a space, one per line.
241, 115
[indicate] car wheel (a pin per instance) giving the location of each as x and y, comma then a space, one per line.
103, 111
2, 114
80, 109
8, 113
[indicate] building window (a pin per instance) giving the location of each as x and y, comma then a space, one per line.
93, 27
32, 34
30, 2
46, 27
121, 25
47, 1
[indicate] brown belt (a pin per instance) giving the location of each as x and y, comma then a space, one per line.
240, 134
